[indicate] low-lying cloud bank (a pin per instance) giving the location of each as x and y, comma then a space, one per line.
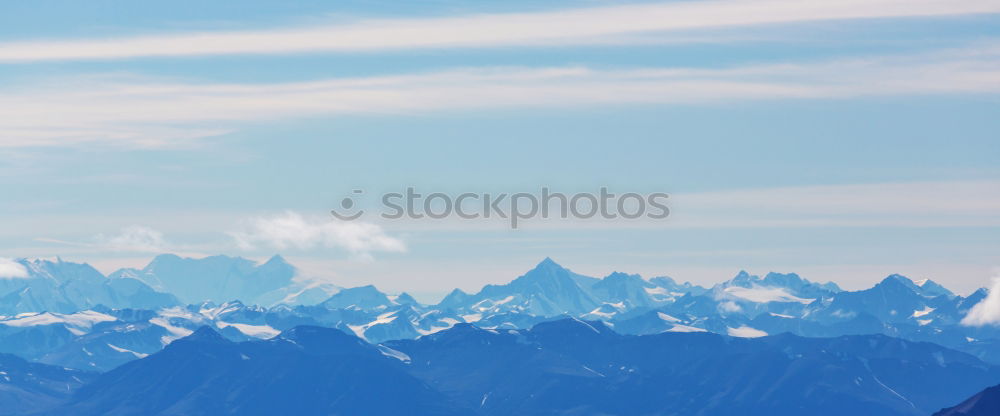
292, 230
12, 269
987, 311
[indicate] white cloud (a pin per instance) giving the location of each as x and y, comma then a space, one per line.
729, 306
134, 238
745, 332
292, 230
145, 112
12, 269
987, 311
573, 26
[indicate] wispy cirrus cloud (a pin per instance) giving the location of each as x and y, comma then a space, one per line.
570, 26
291, 230
287, 231
153, 112
969, 203
132, 239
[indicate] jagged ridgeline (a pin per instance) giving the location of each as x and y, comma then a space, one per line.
530, 346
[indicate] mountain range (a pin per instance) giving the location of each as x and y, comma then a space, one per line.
560, 367
557, 332
65, 287
224, 278
100, 337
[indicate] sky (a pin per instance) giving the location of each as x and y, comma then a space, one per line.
841, 140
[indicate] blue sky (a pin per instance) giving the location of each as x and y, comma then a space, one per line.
841, 140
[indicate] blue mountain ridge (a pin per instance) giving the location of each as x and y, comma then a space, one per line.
304, 371
566, 366
27, 387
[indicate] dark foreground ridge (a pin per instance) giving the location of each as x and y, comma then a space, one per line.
566, 366
985, 403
